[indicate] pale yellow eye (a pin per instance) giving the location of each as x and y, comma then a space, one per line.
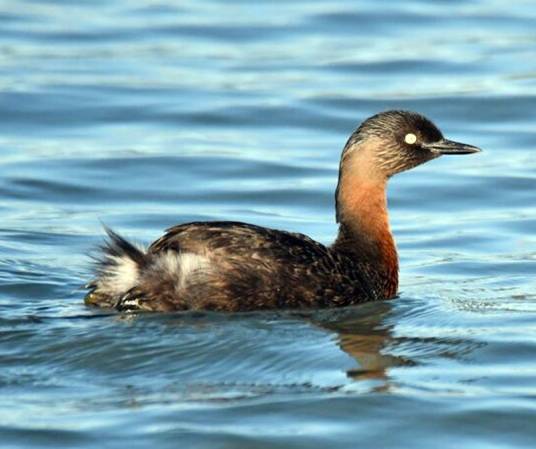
410, 138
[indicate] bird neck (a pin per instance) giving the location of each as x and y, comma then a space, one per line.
364, 232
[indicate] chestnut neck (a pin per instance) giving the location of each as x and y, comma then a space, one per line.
364, 231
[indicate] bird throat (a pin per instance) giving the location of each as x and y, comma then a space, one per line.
364, 232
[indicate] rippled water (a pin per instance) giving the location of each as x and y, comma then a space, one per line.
143, 114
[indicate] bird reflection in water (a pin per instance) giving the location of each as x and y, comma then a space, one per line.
364, 333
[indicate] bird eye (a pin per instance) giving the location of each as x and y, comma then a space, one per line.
410, 138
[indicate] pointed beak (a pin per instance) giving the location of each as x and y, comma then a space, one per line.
445, 146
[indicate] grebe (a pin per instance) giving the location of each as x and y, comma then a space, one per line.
231, 266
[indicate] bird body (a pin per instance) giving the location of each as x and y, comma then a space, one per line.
231, 266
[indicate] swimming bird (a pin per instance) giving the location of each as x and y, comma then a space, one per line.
232, 266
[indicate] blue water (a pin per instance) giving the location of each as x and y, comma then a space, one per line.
143, 114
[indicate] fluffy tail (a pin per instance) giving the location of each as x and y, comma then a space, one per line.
117, 270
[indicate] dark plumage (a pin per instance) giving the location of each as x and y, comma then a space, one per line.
230, 266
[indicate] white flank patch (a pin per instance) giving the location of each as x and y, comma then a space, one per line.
121, 275
181, 265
